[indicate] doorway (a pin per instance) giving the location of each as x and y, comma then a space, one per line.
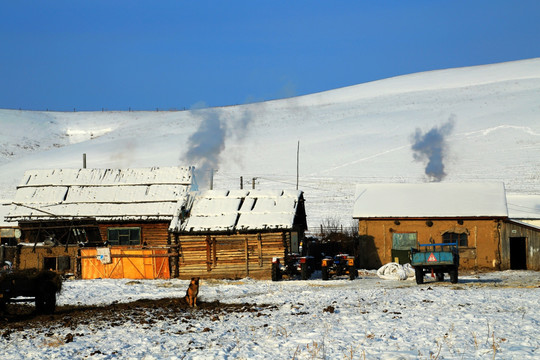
518, 253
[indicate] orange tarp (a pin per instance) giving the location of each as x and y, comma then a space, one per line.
126, 264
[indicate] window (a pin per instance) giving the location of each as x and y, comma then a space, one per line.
61, 263
49, 263
403, 241
461, 239
124, 236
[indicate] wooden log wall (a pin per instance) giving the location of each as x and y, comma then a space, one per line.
154, 234
230, 256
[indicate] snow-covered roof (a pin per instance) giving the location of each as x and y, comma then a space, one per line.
4, 209
525, 207
104, 194
240, 210
430, 200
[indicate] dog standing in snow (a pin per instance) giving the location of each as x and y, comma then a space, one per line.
192, 292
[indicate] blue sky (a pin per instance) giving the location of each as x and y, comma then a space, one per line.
148, 55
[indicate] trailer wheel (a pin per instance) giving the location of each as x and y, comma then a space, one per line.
454, 276
324, 272
419, 274
276, 272
45, 305
46, 300
304, 271
39, 304
50, 303
440, 276
353, 273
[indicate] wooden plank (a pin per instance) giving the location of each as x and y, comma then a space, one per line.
259, 245
208, 254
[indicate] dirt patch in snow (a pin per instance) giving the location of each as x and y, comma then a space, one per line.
144, 312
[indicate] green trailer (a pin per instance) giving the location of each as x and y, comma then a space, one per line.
436, 259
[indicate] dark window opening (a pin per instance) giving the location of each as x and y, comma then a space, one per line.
124, 236
8, 241
49, 263
461, 239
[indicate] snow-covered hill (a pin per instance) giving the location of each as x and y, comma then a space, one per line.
467, 124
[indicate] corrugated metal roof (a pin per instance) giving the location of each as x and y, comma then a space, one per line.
106, 194
430, 200
216, 211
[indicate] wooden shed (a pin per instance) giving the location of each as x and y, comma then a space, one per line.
235, 234
128, 208
392, 218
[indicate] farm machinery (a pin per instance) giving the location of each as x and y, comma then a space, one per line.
341, 264
40, 287
437, 259
292, 265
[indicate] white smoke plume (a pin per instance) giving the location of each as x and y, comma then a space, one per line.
208, 142
431, 147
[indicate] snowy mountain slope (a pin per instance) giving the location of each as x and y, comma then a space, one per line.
485, 121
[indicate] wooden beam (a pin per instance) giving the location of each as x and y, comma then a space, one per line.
259, 243
247, 256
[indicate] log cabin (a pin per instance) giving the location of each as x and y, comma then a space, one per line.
235, 233
64, 214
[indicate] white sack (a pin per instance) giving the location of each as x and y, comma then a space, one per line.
395, 271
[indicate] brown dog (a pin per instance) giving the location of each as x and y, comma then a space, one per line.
192, 292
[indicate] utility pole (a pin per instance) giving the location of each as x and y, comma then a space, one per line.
241, 182
297, 163
211, 179
253, 183
84, 161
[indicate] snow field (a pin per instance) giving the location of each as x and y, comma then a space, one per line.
483, 316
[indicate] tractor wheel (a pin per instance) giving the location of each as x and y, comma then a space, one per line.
324, 272
440, 276
419, 274
46, 299
454, 276
276, 272
50, 302
40, 304
304, 271
353, 273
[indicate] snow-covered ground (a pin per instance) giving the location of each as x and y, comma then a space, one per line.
484, 316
